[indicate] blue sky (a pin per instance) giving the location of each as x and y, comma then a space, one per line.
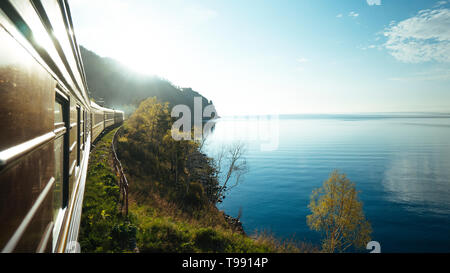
277, 57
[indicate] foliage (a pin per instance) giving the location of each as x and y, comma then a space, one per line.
162, 232
338, 214
176, 170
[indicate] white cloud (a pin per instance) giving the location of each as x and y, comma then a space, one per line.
424, 37
440, 3
374, 2
353, 14
301, 64
369, 47
339, 15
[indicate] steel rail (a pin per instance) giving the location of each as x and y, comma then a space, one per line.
123, 182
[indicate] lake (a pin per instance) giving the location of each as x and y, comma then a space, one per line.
399, 163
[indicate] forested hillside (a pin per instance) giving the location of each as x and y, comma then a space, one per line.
121, 88
176, 170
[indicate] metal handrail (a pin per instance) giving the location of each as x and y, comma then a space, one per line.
123, 182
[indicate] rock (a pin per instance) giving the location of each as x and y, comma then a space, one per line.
235, 223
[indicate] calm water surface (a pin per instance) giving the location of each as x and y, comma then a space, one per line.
401, 165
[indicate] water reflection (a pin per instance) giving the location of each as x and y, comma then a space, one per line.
420, 180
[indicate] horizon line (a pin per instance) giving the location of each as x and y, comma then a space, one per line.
418, 113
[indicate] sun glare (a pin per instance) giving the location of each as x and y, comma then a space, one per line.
144, 53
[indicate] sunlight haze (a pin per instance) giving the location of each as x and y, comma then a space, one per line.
281, 57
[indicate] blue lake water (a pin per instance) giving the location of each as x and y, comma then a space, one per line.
401, 165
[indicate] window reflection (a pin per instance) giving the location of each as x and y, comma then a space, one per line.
58, 113
59, 163
57, 193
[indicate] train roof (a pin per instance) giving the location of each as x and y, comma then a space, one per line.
98, 107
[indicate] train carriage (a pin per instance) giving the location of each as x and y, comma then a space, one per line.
48, 125
118, 116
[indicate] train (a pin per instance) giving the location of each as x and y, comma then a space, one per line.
48, 124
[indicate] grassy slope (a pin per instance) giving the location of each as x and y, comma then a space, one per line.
163, 228
103, 228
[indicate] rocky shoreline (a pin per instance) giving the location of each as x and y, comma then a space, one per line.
235, 224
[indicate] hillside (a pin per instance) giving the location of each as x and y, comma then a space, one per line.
121, 88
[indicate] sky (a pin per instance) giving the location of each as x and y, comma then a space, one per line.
280, 56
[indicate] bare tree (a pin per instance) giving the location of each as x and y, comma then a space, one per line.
230, 165
202, 143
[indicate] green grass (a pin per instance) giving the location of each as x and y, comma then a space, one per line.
162, 228
158, 233
103, 227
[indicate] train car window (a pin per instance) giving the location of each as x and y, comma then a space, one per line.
60, 128
84, 126
58, 114
78, 135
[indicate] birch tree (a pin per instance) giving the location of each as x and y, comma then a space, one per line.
338, 215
